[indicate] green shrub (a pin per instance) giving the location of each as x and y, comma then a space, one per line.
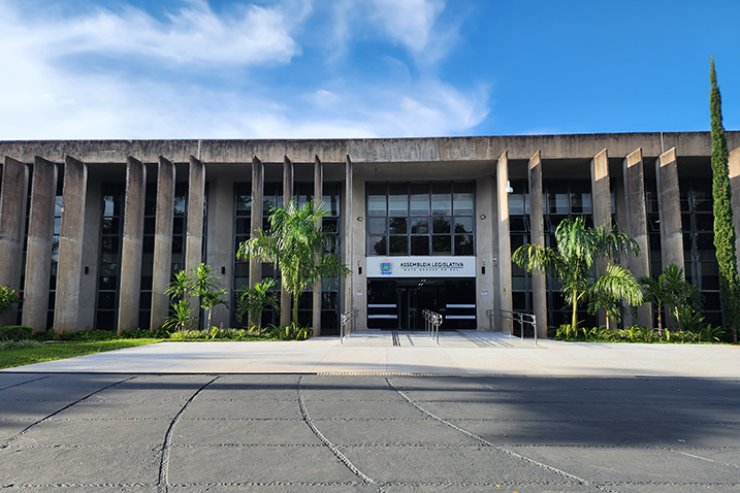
8, 298
294, 332
640, 334
25, 344
16, 333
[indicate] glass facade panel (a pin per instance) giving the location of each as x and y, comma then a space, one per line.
419, 219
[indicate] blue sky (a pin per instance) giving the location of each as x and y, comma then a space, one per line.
352, 68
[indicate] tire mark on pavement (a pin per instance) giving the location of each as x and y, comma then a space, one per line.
163, 482
487, 443
23, 383
49, 416
333, 448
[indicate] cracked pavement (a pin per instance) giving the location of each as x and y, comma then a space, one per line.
311, 433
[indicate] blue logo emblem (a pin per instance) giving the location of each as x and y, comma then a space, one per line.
385, 268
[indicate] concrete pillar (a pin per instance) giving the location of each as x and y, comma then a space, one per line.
38, 251
734, 168
86, 310
485, 292
194, 231
258, 188
600, 191
161, 272
129, 292
287, 197
13, 200
357, 280
601, 203
669, 209
537, 227
348, 227
318, 192
503, 239
69, 267
220, 252
636, 225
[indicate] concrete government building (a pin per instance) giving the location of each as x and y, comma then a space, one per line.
91, 231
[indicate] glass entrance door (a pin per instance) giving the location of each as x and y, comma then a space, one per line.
398, 304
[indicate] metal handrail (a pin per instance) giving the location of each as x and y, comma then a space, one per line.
348, 324
521, 317
432, 322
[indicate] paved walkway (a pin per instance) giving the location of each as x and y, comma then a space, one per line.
391, 353
93, 433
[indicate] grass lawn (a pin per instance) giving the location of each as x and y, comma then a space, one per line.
50, 351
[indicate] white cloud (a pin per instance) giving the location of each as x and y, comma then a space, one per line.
409, 22
194, 33
43, 97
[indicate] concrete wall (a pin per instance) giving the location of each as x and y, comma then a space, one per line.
220, 251
484, 248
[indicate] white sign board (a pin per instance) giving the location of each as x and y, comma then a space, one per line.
391, 267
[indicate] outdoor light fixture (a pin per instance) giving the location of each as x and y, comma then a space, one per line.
508, 187
359, 267
482, 217
359, 218
87, 269
483, 266
223, 270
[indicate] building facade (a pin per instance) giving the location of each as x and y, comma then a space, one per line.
92, 231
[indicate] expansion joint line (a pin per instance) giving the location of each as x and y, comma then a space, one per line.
163, 482
327, 443
36, 423
487, 443
24, 382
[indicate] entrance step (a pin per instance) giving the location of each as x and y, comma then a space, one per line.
447, 339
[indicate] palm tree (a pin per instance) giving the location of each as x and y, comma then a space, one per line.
251, 301
670, 290
205, 288
578, 248
297, 246
617, 284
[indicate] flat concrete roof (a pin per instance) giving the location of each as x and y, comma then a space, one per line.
384, 150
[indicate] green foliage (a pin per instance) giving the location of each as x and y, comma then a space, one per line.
15, 356
104, 335
671, 291
294, 332
252, 301
724, 231
615, 286
16, 333
578, 249
198, 283
639, 335
298, 246
24, 344
8, 298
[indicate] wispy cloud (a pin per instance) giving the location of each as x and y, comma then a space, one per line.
55, 88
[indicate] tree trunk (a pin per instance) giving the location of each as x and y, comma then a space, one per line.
295, 298
574, 318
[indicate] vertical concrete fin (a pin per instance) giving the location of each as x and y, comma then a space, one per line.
255, 265
163, 227
636, 222
38, 252
196, 212
503, 236
318, 192
13, 201
69, 266
348, 180
669, 209
129, 293
287, 197
734, 169
537, 225
600, 190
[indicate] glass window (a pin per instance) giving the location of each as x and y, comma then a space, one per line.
441, 245
463, 244
399, 245
441, 199
397, 225
419, 225
441, 225
420, 245
419, 199
376, 245
463, 225
463, 199
376, 205
398, 198
376, 226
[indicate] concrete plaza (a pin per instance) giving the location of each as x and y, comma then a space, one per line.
489, 414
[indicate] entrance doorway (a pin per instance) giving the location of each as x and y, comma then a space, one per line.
398, 304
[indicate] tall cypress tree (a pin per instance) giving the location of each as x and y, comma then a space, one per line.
724, 232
